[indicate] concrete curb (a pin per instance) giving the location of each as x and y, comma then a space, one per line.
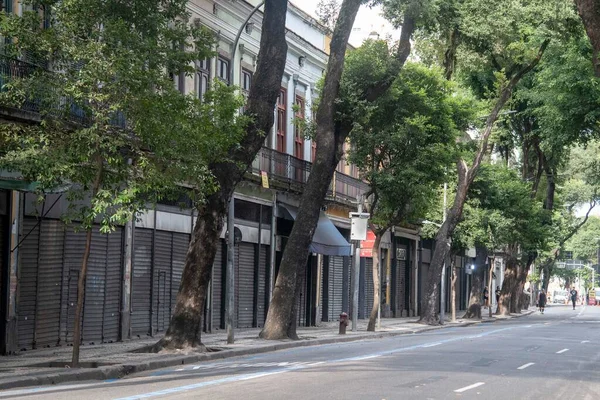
121, 370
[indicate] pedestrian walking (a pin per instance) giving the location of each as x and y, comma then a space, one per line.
573, 294
542, 301
486, 297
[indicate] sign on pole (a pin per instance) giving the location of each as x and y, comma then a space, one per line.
358, 226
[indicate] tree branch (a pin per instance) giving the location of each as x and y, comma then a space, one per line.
504, 96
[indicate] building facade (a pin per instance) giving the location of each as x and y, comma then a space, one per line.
135, 272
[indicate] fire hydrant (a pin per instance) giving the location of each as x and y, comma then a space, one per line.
343, 323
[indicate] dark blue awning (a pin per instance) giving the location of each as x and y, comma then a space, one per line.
327, 240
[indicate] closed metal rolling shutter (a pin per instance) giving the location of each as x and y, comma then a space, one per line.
217, 288
301, 300
27, 285
141, 282
245, 285
401, 285
181, 243
74, 248
95, 286
112, 300
262, 285
324, 307
370, 289
336, 282
161, 291
3, 237
47, 320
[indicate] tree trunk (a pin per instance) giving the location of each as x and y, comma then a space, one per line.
466, 176
508, 287
476, 298
83, 271
80, 297
429, 302
376, 282
280, 317
184, 327
589, 11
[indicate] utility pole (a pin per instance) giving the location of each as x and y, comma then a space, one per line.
356, 276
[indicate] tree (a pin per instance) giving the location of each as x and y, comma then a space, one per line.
589, 11
184, 328
500, 44
113, 127
280, 317
403, 157
333, 125
328, 11
584, 244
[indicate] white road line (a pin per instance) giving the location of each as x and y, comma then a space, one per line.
525, 365
432, 345
196, 367
473, 386
585, 341
562, 351
180, 369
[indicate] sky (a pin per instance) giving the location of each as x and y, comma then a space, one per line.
367, 21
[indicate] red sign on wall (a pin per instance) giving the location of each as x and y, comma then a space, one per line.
366, 246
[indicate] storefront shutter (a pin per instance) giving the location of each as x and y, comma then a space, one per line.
141, 282
245, 285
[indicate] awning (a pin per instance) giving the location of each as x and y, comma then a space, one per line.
327, 240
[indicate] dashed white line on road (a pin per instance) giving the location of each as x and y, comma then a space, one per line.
525, 365
432, 345
562, 351
196, 367
473, 386
585, 341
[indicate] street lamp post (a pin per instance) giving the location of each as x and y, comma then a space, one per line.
443, 280
230, 281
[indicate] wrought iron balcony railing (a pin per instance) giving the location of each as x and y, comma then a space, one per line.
294, 172
62, 107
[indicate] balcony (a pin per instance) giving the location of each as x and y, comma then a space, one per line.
29, 111
291, 173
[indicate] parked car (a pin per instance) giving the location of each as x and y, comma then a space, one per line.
560, 297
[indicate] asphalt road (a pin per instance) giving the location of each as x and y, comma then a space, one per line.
550, 356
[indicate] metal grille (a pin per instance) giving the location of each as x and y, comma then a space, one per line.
244, 280
47, 329
262, 285
217, 288
141, 282
27, 287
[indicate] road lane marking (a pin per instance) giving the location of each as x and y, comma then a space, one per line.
196, 367
585, 341
432, 345
525, 365
473, 386
562, 351
288, 367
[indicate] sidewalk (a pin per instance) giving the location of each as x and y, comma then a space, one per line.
115, 360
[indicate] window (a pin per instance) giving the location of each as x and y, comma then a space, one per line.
7, 6
203, 77
281, 120
246, 81
223, 69
298, 134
